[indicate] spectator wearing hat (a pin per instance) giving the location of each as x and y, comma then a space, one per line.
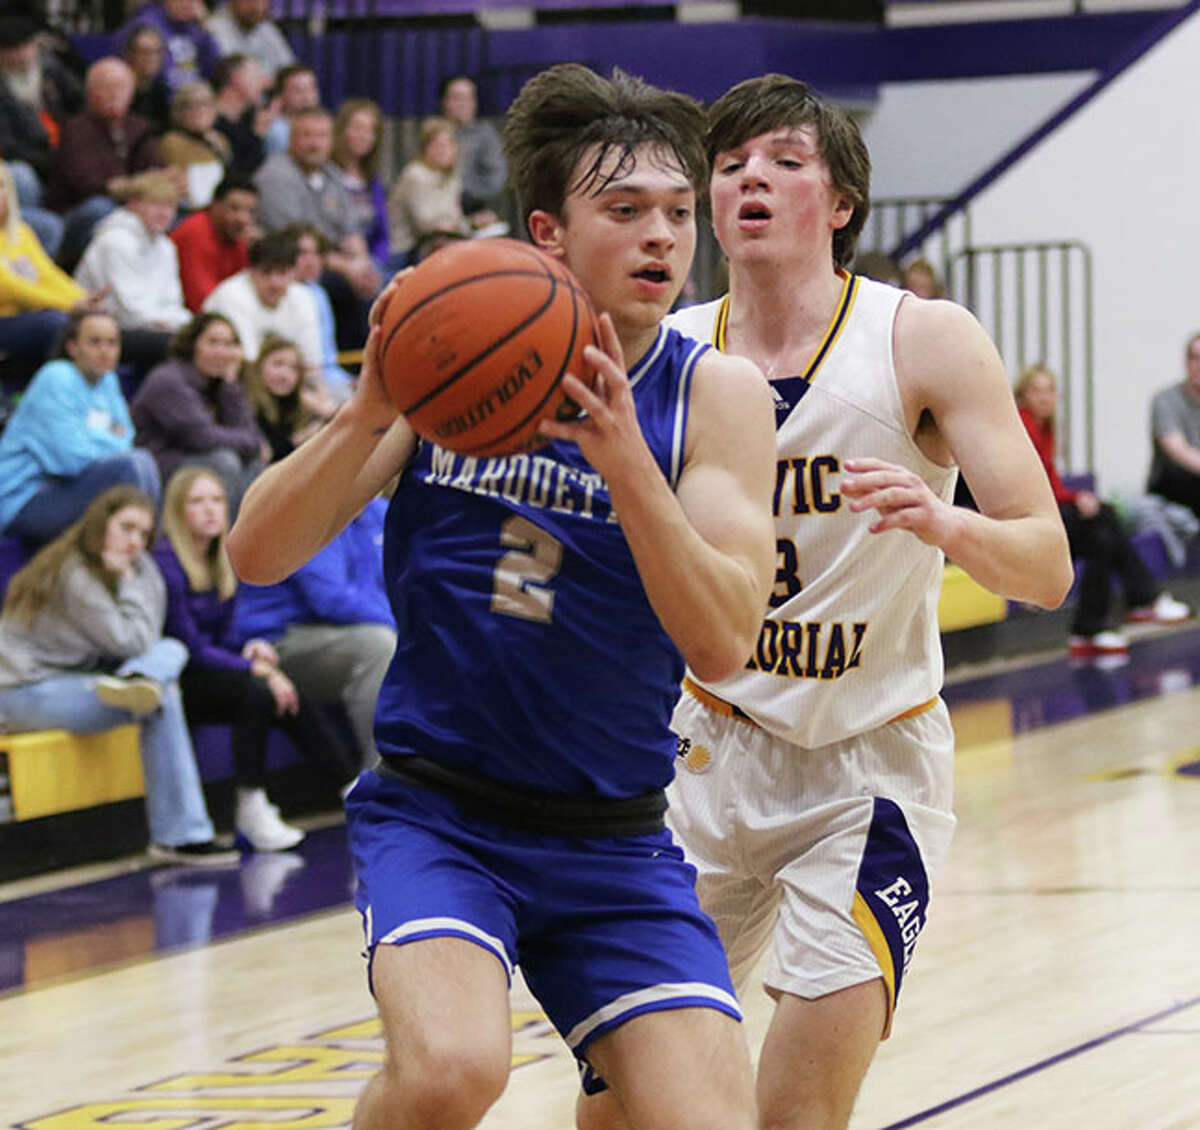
133, 260
37, 94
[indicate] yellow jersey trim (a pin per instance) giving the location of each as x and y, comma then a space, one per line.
841, 315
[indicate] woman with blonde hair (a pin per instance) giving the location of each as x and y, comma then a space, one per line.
194, 145
82, 649
426, 197
357, 133
228, 681
1095, 536
35, 294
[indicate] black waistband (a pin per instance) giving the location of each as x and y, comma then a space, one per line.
487, 799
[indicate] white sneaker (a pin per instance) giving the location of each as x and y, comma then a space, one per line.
1165, 610
1102, 643
259, 821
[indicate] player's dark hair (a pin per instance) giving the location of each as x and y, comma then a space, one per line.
568, 112
771, 102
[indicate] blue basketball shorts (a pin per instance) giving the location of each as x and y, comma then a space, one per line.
603, 929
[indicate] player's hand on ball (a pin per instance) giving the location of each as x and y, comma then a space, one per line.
607, 429
901, 497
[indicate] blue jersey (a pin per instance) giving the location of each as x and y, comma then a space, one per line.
528, 650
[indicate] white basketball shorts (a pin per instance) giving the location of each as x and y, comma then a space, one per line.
826, 852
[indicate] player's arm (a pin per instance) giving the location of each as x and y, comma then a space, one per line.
1015, 545
300, 504
705, 551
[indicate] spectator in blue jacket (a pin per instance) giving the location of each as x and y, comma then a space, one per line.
71, 436
331, 624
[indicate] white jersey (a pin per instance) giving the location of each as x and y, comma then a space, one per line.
851, 639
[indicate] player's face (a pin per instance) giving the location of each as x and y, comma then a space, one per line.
772, 196
631, 244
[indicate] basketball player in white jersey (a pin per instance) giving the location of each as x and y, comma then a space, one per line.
814, 788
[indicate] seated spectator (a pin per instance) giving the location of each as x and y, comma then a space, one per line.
227, 683
191, 408
427, 195
331, 623
242, 27
37, 95
310, 247
1095, 535
295, 91
266, 298
274, 382
35, 294
99, 146
922, 280
357, 131
192, 53
877, 265
193, 145
213, 244
241, 115
1175, 434
70, 437
481, 162
134, 263
146, 55
82, 649
303, 184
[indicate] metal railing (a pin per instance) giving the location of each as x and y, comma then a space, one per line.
1035, 300
893, 219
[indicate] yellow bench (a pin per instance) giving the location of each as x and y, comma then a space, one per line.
964, 602
52, 771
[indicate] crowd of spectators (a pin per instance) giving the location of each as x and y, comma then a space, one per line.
188, 238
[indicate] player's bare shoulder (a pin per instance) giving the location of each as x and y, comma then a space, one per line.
730, 393
939, 348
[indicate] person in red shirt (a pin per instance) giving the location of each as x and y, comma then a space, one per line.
1095, 535
213, 243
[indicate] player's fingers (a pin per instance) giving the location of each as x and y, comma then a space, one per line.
380, 304
605, 365
609, 341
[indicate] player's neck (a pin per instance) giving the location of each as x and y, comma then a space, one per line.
635, 343
777, 315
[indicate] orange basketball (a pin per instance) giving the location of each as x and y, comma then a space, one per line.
475, 343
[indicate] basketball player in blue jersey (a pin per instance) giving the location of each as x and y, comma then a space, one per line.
815, 786
546, 603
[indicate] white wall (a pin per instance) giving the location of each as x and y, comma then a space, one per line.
1122, 176
933, 138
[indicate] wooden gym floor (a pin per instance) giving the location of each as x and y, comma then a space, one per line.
1057, 984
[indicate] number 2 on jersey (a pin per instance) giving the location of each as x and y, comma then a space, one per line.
520, 583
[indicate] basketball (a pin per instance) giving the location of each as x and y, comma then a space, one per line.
476, 341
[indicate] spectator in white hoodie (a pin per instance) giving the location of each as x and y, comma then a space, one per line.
131, 257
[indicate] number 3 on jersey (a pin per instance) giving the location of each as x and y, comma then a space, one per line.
787, 573
520, 583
